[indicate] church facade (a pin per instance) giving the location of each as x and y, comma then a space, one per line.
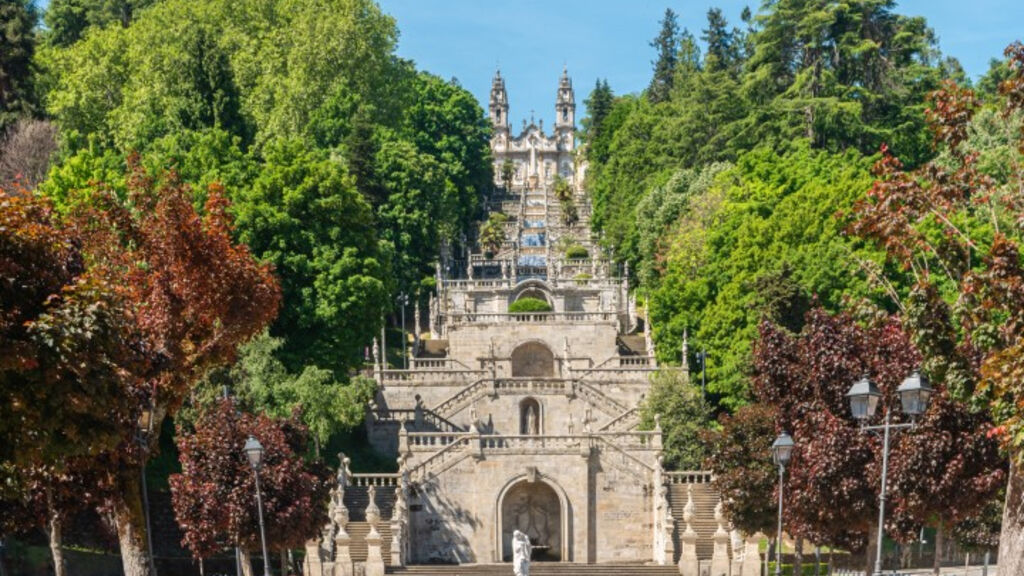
526, 421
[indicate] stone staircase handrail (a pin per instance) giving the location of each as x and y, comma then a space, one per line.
452, 404
420, 469
599, 399
401, 415
431, 376
627, 457
376, 480
627, 416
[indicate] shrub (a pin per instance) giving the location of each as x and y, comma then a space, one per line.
576, 252
529, 305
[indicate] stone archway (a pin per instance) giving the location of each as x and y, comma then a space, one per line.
535, 509
533, 359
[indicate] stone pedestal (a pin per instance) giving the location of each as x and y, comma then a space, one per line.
374, 559
752, 556
720, 557
688, 563
343, 555
313, 563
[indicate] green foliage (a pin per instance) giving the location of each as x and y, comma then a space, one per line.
769, 214
576, 251
524, 305
492, 232
667, 46
304, 215
68, 20
677, 406
566, 201
17, 45
599, 104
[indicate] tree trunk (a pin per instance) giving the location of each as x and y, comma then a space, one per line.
1011, 540
54, 529
131, 529
937, 562
284, 562
246, 561
869, 557
798, 555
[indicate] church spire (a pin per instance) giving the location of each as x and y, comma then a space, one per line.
565, 111
498, 104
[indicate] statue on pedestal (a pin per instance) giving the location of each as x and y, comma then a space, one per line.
521, 551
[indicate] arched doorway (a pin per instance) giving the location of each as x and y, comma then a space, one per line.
534, 509
533, 360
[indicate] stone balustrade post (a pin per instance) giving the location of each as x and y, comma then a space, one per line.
374, 558
720, 560
688, 563
342, 541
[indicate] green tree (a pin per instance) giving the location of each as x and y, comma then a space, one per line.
304, 215
666, 43
599, 105
675, 405
17, 46
68, 20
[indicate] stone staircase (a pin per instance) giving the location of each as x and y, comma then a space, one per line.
539, 569
704, 499
356, 501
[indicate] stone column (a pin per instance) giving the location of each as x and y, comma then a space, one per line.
688, 563
374, 558
720, 557
342, 541
416, 326
398, 523
752, 556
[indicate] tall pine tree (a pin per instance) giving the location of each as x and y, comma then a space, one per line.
17, 44
599, 105
667, 44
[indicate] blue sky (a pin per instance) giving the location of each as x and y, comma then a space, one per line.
532, 39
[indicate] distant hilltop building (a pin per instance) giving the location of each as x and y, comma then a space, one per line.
536, 157
512, 420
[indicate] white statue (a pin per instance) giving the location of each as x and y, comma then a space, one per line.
531, 422
521, 550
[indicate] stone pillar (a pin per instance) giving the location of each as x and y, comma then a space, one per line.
752, 556
416, 326
313, 563
688, 563
720, 557
398, 523
342, 541
374, 558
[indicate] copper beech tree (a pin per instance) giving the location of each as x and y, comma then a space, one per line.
213, 496
119, 306
956, 231
833, 479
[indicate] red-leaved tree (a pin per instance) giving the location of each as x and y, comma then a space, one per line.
118, 307
214, 495
957, 231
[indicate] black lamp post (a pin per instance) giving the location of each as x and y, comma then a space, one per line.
915, 394
782, 450
254, 452
145, 424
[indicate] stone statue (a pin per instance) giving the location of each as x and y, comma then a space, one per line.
531, 421
521, 550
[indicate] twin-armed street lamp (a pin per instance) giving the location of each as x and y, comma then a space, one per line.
864, 396
782, 450
254, 452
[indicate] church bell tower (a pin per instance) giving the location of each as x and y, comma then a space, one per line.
565, 112
498, 105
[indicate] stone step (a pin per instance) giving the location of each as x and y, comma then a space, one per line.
538, 569
357, 499
704, 500
357, 546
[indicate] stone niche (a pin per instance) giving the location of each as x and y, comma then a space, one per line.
534, 509
533, 360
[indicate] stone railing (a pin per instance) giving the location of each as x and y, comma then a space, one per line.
443, 459
442, 377
437, 364
626, 421
625, 459
533, 386
376, 480
688, 477
402, 415
636, 441
547, 444
432, 441
599, 399
456, 401
530, 318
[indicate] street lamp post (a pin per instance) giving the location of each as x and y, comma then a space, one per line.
782, 450
145, 431
864, 397
254, 451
